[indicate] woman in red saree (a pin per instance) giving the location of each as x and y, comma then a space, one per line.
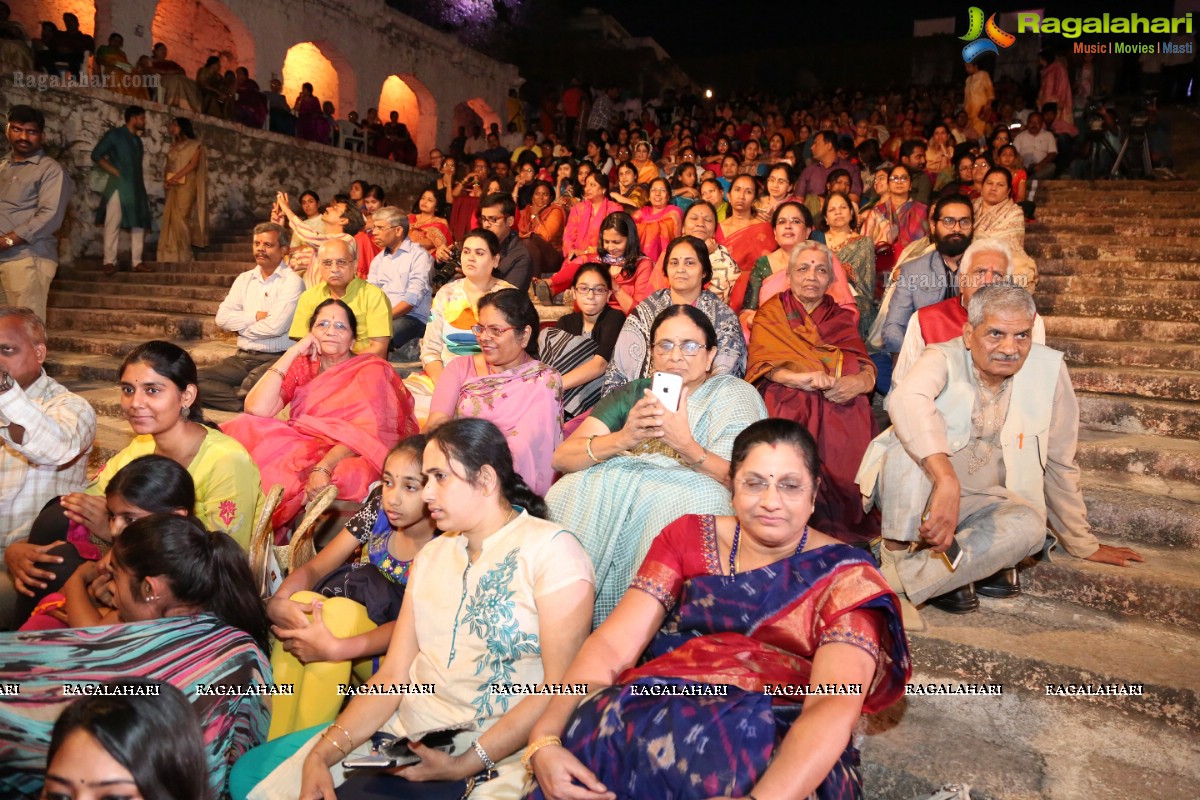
425, 227
347, 411
810, 365
746, 622
660, 222
744, 235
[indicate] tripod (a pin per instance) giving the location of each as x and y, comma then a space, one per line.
1136, 135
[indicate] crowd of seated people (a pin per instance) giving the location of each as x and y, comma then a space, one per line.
532, 505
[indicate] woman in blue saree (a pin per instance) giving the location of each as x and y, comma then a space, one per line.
764, 642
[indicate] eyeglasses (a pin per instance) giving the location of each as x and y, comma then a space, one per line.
325, 324
493, 331
490, 220
964, 223
341, 262
787, 489
594, 291
899, 179
665, 347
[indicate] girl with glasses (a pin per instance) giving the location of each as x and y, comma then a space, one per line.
581, 344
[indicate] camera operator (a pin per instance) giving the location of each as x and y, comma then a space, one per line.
1099, 142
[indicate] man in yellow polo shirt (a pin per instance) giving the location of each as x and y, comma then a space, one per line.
369, 304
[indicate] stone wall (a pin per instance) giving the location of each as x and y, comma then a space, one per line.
245, 167
365, 41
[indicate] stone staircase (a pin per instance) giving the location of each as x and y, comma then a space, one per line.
1120, 291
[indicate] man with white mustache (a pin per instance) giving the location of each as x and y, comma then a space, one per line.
981, 452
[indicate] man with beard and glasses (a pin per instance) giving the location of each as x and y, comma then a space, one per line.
981, 453
933, 277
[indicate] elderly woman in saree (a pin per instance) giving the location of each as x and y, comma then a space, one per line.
688, 268
635, 466
507, 385
810, 365
185, 215
347, 411
727, 623
996, 215
659, 222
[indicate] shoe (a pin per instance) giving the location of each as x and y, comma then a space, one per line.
143, 268
541, 290
909, 616
109, 270
960, 601
1005, 583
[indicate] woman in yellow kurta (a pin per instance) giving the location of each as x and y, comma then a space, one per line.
977, 98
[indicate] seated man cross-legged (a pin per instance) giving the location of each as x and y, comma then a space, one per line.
984, 434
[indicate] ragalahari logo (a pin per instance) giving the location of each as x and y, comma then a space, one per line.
996, 38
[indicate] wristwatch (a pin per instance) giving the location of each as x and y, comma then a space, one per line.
6, 382
9, 241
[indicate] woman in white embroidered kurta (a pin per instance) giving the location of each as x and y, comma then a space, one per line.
523, 610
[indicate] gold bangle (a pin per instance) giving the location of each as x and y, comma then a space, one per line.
534, 746
277, 371
325, 735
346, 733
592, 455
703, 458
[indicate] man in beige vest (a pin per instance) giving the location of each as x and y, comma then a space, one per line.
981, 452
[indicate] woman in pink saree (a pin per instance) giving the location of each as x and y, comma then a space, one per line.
581, 238
506, 385
347, 411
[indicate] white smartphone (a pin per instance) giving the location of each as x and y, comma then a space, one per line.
667, 388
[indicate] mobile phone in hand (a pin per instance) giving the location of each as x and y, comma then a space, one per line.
667, 388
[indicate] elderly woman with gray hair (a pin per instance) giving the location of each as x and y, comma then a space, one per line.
401, 269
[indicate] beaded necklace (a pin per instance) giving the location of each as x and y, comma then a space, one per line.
737, 537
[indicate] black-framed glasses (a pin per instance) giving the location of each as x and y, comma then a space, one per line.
594, 291
965, 223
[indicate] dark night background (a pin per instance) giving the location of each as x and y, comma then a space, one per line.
730, 45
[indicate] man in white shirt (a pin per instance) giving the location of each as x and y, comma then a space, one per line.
401, 269
1037, 148
46, 433
259, 308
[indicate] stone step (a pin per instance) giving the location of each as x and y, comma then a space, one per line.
1095, 305
1164, 589
112, 436
222, 257
217, 266
118, 345
1095, 188
1024, 746
1027, 642
180, 291
97, 279
67, 367
1131, 354
1066, 213
80, 300
1121, 330
1125, 269
1122, 414
1118, 286
1041, 248
1151, 227
1140, 454
1168, 384
146, 324
1136, 513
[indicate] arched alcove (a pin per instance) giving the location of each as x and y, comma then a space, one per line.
415, 107
320, 63
474, 112
193, 30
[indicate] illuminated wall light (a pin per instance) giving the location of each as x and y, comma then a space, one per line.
305, 63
